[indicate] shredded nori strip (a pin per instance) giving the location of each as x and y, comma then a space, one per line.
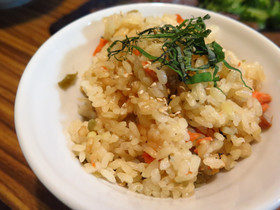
180, 44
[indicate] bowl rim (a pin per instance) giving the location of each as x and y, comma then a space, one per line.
51, 180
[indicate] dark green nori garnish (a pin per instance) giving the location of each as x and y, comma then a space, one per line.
180, 43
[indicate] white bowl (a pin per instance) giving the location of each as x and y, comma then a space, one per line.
43, 111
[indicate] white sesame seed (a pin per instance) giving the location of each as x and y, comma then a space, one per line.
172, 96
166, 113
140, 92
147, 65
153, 84
161, 109
176, 113
182, 87
168, 91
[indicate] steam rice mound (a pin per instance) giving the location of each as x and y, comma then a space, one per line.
146, 130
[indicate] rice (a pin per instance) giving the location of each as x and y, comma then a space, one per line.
141, 134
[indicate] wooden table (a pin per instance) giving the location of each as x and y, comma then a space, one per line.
22, 31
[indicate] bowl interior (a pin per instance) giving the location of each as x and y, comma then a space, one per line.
43, 112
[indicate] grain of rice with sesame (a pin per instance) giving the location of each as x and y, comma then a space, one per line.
141, 137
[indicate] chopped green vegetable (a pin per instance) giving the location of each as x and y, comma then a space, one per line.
180, 44
91, 124
235, 69
68, 81
264, 12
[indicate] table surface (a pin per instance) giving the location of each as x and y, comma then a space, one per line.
22, 31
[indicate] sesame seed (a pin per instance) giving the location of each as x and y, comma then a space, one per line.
161, 109
124, 105
153, 84
165, 101
168, 91
140, 92
182, 87
164, 108
148, 64
172, 96
176, 113
165, 113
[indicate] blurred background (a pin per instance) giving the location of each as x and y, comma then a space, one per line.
25, 25
259, 14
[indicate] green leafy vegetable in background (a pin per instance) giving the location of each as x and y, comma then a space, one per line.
264, 12
180, 44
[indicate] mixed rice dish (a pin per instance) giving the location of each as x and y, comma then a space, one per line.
154, 128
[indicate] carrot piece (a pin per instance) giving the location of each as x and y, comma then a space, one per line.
205, 138
262, 97
149, 72
195, 150
99, 47
144, 63
239, 64
136, 52
265, 106
179, 19
193, 136
147, 158
93, 163
264, 124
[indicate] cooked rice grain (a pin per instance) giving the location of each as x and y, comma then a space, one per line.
136, 115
